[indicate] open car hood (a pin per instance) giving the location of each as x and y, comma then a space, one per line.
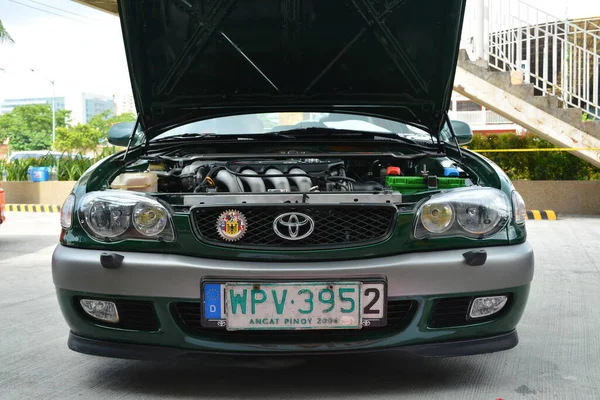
197, 59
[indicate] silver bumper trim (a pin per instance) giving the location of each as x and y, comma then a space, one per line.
177, 276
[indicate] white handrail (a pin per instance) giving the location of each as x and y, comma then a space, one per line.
559, 57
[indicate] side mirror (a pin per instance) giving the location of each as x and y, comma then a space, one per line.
118, 134
463, 132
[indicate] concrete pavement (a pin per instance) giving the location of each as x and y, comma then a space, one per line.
558, 357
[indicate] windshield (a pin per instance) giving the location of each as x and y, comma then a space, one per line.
280, 122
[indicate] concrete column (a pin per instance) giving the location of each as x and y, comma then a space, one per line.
479, 31
483, 115
486, 29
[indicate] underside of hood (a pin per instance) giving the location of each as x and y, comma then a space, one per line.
197, 59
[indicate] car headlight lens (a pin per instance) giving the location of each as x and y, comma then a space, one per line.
437, 217
470, 212
478, 219
148, 219
106, 219
66, 212
519, 209
114, 215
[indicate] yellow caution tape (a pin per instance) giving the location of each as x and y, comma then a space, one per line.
532, 150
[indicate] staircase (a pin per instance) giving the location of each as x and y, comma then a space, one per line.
535, 70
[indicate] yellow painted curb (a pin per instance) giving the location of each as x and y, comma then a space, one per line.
32, 208
542, 215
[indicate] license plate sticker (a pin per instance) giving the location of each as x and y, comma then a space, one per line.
293, 305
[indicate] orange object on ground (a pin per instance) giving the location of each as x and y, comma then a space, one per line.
1, 204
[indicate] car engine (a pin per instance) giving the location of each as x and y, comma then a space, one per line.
263, 176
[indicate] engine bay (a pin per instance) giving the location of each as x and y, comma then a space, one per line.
366, 173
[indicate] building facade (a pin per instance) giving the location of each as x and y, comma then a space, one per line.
94, 104
8, 105
124, 104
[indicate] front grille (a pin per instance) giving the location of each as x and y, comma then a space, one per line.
334, 226
399, 314
135, 315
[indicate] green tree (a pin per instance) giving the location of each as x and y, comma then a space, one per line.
4, 36
29, 127
81, 137
85, 137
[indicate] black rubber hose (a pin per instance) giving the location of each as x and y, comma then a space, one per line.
340, 178
210, 174
174, 171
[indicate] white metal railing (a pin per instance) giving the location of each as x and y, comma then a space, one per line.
478, 118
559, 57
470, 117
493, 118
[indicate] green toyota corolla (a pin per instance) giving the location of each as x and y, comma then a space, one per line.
293, 184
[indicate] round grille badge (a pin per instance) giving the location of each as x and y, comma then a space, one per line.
231, 225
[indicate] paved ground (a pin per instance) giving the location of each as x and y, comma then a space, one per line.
558, 357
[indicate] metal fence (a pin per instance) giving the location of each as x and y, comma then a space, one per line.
475, 118
559, 57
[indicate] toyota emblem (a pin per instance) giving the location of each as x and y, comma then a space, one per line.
293, 226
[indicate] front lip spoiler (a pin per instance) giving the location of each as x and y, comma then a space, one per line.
130, 351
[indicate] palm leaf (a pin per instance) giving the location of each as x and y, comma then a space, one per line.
4, 35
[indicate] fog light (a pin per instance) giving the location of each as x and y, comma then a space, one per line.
484, 306
101, 310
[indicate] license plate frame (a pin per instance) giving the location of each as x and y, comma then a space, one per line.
368, 322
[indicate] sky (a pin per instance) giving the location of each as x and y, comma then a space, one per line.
81, 48
78, 47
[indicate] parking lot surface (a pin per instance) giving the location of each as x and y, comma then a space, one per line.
558, 356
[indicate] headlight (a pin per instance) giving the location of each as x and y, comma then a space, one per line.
114, 215
437, 217
149, 220
471, 212
66, 212
519, 209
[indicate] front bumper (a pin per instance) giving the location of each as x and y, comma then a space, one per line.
176, 276
165, 280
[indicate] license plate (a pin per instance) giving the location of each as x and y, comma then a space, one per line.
293, 305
